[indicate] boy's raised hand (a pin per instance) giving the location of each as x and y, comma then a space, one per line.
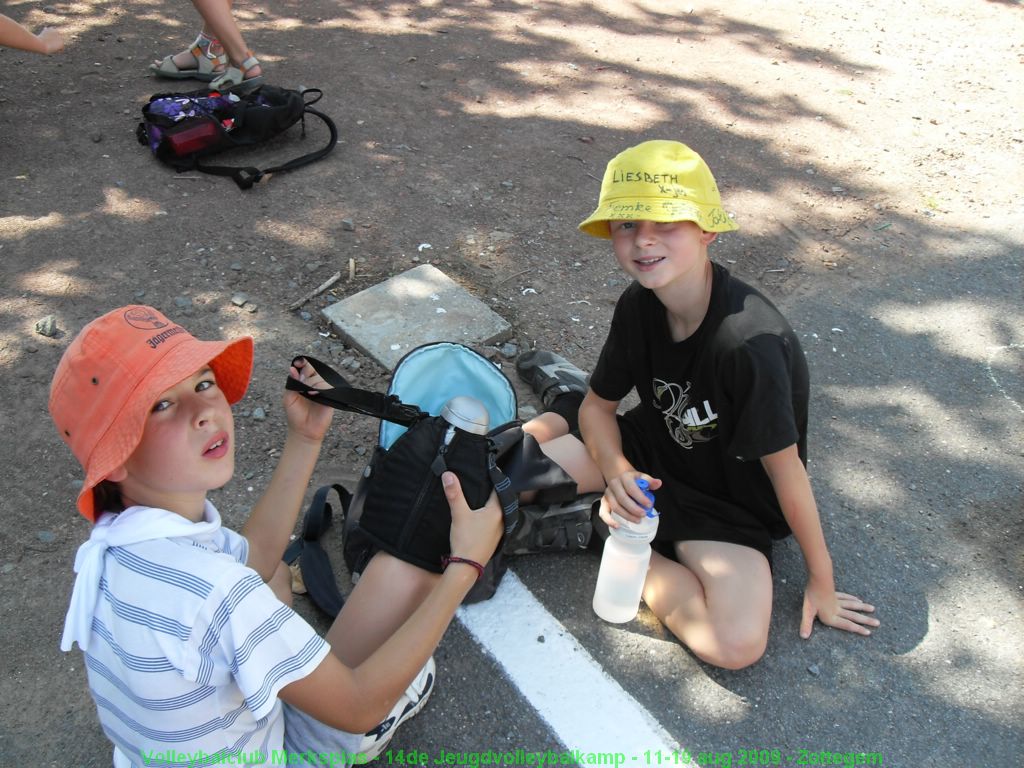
835, 609
475, 532
306, 418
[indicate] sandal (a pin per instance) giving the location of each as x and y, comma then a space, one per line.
208, 64
234, 79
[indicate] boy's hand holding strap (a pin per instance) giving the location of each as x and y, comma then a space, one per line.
345, 397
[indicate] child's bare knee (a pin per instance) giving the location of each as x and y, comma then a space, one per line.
741, 658
741, 650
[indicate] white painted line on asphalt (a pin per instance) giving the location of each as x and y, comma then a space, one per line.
586, 709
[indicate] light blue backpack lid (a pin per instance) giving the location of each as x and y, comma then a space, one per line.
430, 375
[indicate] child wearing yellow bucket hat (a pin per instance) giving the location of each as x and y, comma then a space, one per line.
191, 644
720, 433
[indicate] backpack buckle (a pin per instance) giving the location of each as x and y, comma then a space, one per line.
246, 177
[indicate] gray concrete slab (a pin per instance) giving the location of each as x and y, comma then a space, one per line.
416, 307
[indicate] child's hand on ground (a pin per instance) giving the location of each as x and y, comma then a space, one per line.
306, 418
835, 609
475, 532
51, 39
624, 498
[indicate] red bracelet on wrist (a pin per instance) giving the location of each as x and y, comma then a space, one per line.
446, 561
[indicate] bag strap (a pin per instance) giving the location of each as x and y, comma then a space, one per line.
508, 498
317, 573
246, 176
312, 157
345, 397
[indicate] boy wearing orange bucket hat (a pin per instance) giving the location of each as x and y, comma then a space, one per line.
191, 646
720, 432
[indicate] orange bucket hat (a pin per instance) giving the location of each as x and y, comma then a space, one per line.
112, 373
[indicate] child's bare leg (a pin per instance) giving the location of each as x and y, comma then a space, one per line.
220, 23
388, 593
281, 584
185, 60
718, 601
547, 426
571, 455
220, 26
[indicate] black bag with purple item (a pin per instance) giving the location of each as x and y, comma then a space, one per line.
183, 129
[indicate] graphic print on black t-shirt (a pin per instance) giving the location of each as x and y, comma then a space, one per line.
686, 423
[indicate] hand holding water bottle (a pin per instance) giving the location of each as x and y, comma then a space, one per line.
624, 499
624, 563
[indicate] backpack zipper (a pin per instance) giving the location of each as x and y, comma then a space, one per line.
416, 512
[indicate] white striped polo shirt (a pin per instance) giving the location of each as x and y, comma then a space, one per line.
189, 648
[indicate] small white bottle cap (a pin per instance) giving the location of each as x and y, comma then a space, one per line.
466, 413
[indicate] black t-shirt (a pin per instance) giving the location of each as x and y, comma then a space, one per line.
711, 405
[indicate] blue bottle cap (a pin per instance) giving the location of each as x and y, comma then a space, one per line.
643, 485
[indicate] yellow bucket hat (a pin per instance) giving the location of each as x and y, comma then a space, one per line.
658, 181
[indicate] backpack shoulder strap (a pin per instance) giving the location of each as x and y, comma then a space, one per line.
246, 176
311, 157
317, 573
345, 397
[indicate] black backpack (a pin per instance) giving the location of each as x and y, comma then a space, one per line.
389, 508
183, 129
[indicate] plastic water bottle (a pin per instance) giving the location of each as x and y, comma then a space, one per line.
627, 554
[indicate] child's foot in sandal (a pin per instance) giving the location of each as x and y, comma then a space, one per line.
241, 78
203, 60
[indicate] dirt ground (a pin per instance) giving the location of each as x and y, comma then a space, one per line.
854, 142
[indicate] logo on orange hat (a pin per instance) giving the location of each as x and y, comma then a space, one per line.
144, 319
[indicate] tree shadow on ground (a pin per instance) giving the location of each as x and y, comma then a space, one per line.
467, 118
